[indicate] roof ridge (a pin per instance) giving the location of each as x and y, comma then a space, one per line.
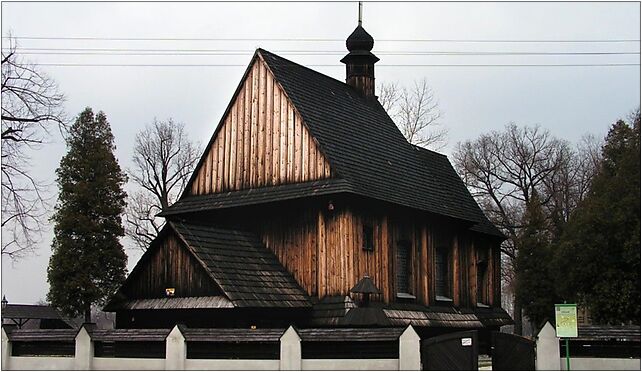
276, 56
421, 148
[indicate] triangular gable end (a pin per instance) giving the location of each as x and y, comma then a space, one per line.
169, 263
260, 141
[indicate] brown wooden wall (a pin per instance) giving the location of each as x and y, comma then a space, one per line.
171, 266
262, 141
324, 252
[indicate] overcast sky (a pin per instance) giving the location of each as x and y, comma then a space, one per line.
569, 101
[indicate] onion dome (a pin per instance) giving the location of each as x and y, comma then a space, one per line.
360, 40
360, 62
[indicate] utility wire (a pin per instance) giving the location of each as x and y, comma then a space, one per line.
336, 65
153, 52
325, 40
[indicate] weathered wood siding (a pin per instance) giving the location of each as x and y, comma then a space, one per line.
170, 266
262, 141
324, 251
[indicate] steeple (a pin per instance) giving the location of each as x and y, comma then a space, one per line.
360, 61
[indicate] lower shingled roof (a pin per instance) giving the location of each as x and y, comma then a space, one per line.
247, 272
333, 310
200, 203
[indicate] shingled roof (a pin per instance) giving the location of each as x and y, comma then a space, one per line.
249, 274
335, 310
231, 199
365, 149
18, 311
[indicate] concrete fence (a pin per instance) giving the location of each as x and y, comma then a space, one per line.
548, 356
290, 357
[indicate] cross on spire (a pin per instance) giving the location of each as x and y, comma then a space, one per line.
360, 11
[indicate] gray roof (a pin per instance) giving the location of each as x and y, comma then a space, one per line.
42, 334
349, 334
15, 311
609, 332
203, 302
232, 199
333, 311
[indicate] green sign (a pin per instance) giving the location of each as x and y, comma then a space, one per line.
566, 320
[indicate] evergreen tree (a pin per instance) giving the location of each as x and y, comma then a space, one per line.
535, 287
88, 262
599, 255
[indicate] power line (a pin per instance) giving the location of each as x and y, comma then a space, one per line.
214, 52
336, 65
325, 39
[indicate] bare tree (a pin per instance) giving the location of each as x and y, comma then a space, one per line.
504, 170
416, 113
568, 187
31, 106
164, 158
389, 95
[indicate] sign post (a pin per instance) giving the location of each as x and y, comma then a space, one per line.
566, 326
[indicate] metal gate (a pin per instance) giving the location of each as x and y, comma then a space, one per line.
512, 353
451, 352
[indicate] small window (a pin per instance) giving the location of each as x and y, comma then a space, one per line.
368, 237
442, 273
403, 269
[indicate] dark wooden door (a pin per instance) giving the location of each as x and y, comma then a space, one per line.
512, 353
451, 352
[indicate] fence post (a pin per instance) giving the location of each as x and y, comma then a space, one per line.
6, 350
290, 351
84, 349
409, 350
548, 349
175, 350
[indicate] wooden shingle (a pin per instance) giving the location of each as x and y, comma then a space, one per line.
247, 272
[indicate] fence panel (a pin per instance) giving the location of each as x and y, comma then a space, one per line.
122, 364
350, 364
41, 363
231, 364
213, 350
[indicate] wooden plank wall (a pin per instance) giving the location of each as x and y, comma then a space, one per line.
171, 266
492, 283
293, 239
262, 142
324, 252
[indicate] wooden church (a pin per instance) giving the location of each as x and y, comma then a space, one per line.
309, 207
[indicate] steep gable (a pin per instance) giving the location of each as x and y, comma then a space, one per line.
363, 147
169, 264
261, 141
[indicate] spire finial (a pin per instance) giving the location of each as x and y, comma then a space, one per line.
360, 11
